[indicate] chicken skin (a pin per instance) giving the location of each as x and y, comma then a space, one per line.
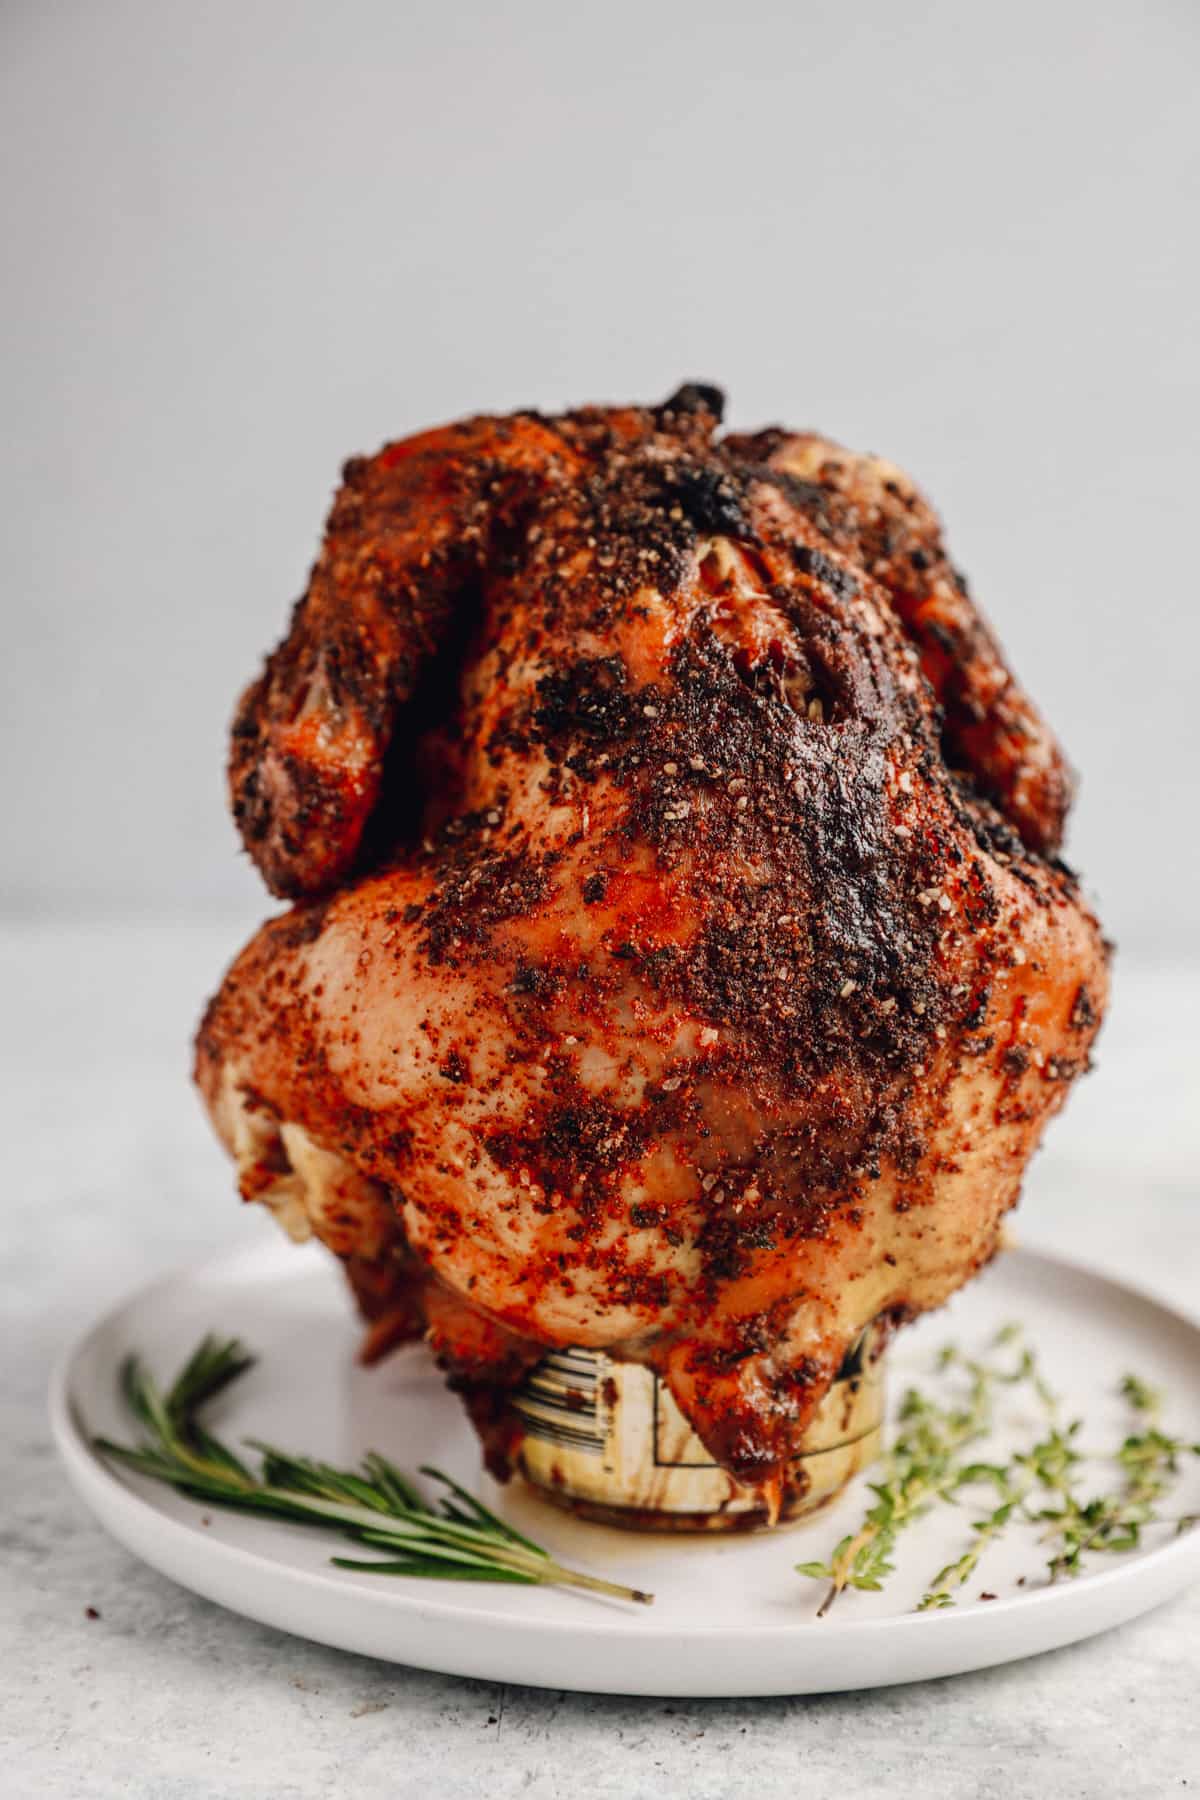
680, 966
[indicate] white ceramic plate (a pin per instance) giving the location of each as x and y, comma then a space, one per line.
731, 1616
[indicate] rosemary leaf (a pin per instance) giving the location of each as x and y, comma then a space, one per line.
432, 1571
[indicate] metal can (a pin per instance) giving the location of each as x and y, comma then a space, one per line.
606, 1440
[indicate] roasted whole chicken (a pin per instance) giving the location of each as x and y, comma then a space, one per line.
680, 962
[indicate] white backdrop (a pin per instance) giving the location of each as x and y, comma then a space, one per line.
242, 241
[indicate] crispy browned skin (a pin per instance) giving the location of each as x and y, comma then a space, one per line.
410, 534
870, 509
686, 1000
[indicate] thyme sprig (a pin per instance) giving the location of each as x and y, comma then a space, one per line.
932, 1461
456, 1538
1149, 1461
955, 1574
1013, 1481
924, 1465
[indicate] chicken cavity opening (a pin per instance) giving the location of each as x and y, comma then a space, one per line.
309, 1190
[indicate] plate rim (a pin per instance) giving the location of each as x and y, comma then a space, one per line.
109, 1497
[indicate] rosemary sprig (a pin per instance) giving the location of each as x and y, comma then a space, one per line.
456, 1538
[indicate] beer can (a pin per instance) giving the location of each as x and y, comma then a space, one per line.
606, 1440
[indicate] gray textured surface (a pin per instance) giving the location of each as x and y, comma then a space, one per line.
243, 241
111, 1176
